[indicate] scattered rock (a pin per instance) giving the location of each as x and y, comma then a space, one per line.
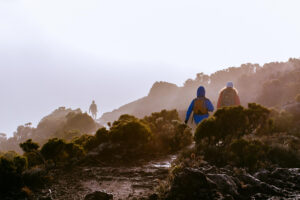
98, 195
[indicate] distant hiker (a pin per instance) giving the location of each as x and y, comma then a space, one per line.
228, 96
200, 106
93, 110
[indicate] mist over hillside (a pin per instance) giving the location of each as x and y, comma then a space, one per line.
272, 84
238, 152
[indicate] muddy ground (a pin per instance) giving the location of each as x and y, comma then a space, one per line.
128, 182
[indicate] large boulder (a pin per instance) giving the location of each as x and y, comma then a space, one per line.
192, 184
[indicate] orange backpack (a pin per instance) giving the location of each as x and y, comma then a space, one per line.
200, 106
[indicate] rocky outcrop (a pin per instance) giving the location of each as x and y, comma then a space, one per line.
224, 183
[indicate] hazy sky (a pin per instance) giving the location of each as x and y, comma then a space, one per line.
68, 52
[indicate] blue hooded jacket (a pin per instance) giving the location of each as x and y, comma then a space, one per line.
209, 106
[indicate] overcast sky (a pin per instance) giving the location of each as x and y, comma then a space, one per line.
68, 52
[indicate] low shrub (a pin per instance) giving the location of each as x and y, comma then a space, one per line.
169, 134
11, 169
88, 142
60, 151
249, 154
29, 146
130, 132
282, 121
230, 123
34, 159
284, 157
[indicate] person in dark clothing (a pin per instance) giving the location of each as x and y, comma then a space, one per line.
93, 109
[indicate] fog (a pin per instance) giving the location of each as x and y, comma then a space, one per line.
55, 53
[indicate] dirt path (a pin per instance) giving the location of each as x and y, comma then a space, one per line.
122, 182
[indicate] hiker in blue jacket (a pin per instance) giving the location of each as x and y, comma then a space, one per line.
200, 106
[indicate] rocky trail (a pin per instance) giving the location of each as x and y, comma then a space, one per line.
122, 182
139, 181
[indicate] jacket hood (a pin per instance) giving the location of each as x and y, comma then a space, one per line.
201, 92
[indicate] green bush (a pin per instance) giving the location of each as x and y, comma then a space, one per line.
230, 123
208, 130
74, 151
258, 119
227, 123
249, 154
130, 132
169, 134
61, 152
252, 154
182, 136
88, 142
282, 121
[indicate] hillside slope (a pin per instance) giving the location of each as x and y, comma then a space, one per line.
251, 80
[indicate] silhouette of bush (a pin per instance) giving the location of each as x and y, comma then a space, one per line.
34, 157
54, 150
11, 169
29, 146
102, 135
